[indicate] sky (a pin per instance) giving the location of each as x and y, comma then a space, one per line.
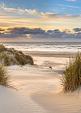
45, 14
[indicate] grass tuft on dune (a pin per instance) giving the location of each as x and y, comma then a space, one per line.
72, 75
3, 76
10, 56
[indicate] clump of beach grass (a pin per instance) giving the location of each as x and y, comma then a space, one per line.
72, 75
3, 76
2, 48
10, 56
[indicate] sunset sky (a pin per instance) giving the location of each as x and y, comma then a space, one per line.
45, 14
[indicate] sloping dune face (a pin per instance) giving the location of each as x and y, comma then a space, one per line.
37, 89
59, 103
32, 79
42, 87
14, 102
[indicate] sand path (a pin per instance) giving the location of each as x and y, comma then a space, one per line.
31, 84
29, 80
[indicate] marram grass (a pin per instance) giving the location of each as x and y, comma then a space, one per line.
72, 75
10, 56
3, 76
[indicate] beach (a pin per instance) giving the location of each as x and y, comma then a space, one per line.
31, 81
40, 56
38, 88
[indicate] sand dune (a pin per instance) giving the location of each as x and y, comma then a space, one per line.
60, 102
13, 102
38, 89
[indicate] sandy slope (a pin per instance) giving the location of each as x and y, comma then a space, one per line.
59, 103
30, 80
12, 102
38, 89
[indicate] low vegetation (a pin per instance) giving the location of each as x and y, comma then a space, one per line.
3, 76
72, 75
10, 56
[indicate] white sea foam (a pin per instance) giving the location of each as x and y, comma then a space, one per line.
49, 46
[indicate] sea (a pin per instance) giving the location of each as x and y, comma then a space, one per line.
45, 46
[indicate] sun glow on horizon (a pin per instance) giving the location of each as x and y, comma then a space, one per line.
33, 18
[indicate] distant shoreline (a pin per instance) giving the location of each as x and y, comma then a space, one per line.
51, 54
47, 42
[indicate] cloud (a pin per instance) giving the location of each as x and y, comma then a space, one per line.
26, 34
17, 12
77, 30
32, 18
24, 30
71, 0
64, 6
